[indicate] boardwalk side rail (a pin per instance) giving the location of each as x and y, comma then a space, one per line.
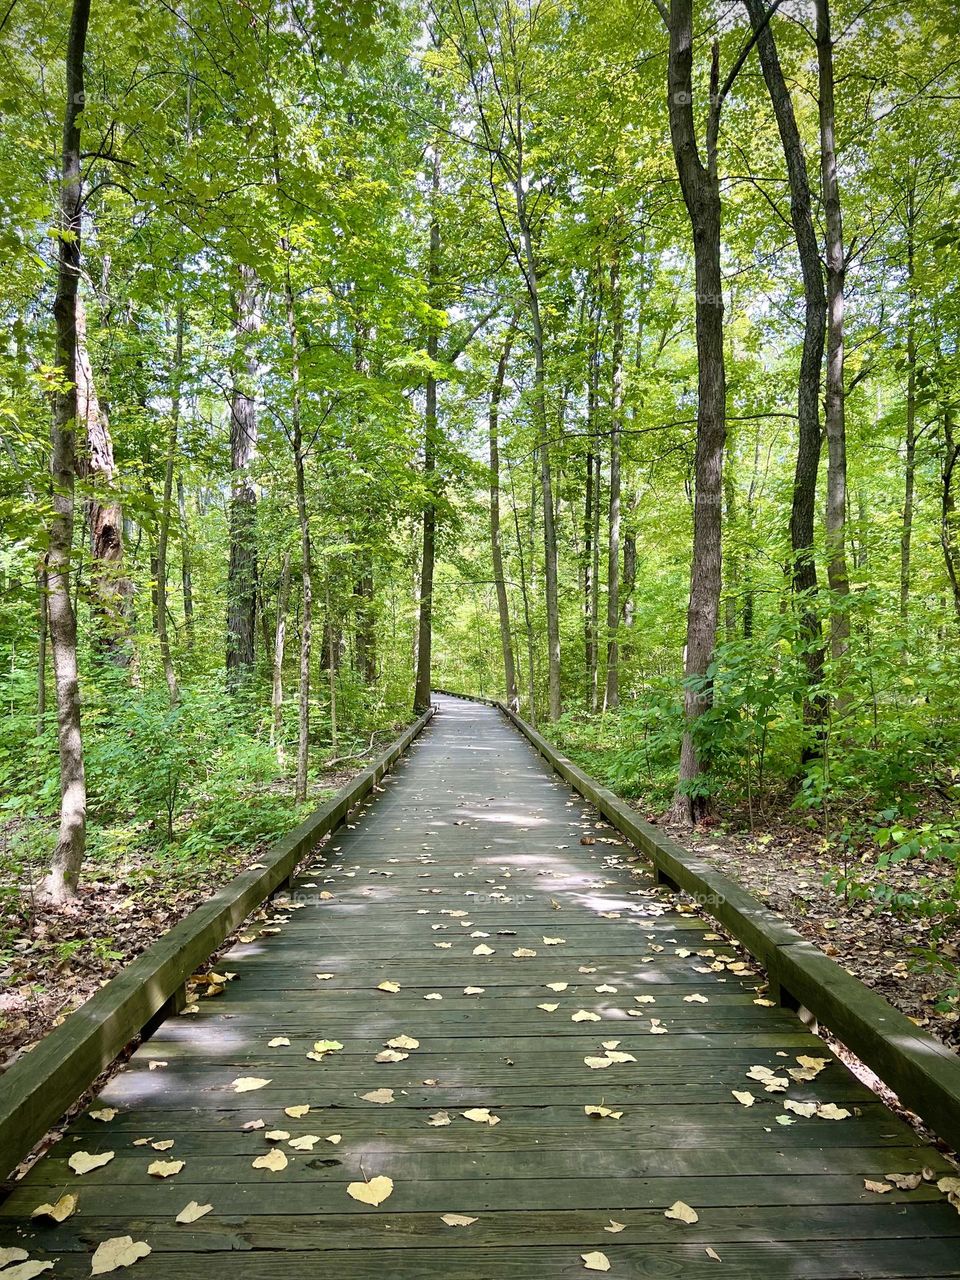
924, 1073
43, 1083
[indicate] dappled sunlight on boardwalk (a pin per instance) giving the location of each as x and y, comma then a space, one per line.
456, 948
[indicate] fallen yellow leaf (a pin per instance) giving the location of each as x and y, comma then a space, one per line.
82, 1161
121, 1251
59, 1211
373, 1192
192, 1212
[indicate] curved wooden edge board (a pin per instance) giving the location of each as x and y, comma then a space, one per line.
924, 1073
43, 1083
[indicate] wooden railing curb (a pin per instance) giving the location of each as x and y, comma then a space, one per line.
43, 1083
924, 1073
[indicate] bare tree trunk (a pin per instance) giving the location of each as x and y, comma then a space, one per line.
61, 882
242, 575
591, 508
496, 550
331, 668
110, 590
948, 507
527, 619
611, 697
836, 514
279, 641
910, 445
163, 635
422, 685
554, 698
42, 632
186, 570
811, 361
701, 193
366, 643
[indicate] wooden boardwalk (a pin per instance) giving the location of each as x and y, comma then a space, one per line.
466, 884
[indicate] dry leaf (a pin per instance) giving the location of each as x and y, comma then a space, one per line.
696, 998
584, 1015
274, 1160
246, 1084
806, 1109
712, 1253
481, 1115
596, 1063
456, 1219
615, 1227
278, 1041
295, 1113
602, 1112
373, 1192
682, 1213
105, 1114
192, 1212
905, 1181
557, 986
121, 1251
165, 1145
830, 1111
253, 1124
595, 1261
743, 1097
523, 951
878, 1188
392, 987
553, 942
403, 1042
83, 1161
379, 1096
165, 1168
548, 1008
277, 1135
482, 950
305, 1143
473, 991
12, 1255
334, 1139
439, 1119
390, 1055
59, 1211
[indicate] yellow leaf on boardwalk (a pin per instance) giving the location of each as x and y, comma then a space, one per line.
373, 1192
682, 1212
82, 1161
59, 1211
595, 1261
273, 1160
193, 1211
121, 1251
247, 1084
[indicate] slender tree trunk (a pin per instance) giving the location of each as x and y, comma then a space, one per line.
531, 275
166, 506
910, 445
496, 550
110, 590
423, 682
811, 362
948, 507
611, 697
331, 668
527, 618
61, 883
366, 642
594, 689
701, 193
42, 634
186, 569
834, 403
591, 507
279, 643
242, 575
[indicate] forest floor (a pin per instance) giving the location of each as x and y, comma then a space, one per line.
52, 960
786, 866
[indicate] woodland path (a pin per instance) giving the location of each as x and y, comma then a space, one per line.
475, 843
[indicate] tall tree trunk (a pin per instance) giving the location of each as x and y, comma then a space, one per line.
701, 193
332, 664
527, 617
910, 444
948, 507
611, 697
110, 590
42, 636
366, 640
279, 643
61, 882
531, 276
591, 507
834, 403
242, 574
496, 549
186, 569
422, 685
811, 361
166, 507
